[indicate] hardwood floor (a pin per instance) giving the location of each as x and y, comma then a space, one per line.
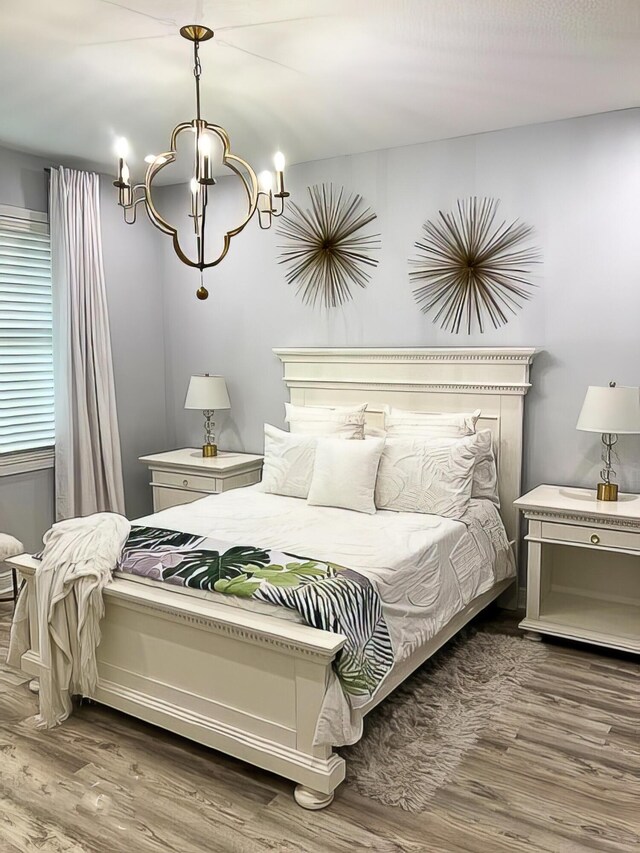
561, 772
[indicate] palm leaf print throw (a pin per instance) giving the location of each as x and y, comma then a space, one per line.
327, 596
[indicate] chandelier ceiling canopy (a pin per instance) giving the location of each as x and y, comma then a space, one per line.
259, 193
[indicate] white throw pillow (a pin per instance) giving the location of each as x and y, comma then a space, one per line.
430, 475
485, 472
343, 421
288, 462
399, 422
344, 473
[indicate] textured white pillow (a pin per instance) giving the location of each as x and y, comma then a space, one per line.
399, 422
430, 475
345, 421
485, 473
344, 473
288, 462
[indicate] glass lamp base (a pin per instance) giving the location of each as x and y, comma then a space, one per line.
209, 450
607, 492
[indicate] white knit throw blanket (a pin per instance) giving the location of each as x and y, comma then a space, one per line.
79, 557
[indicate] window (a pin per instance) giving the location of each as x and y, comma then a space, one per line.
26, 354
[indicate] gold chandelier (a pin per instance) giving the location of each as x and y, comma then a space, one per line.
259, 191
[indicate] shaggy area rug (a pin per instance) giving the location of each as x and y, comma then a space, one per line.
415, 739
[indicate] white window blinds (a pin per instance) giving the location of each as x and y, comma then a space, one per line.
26, 354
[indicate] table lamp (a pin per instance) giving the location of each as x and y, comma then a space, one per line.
611, 411
207, 393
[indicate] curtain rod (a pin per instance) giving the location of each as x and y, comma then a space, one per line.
49, 168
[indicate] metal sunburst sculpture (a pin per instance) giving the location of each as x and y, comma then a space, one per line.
327, 254
469, 268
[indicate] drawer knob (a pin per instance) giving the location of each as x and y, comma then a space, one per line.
595, 539
186, 483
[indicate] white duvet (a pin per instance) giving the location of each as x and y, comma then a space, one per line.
426, 568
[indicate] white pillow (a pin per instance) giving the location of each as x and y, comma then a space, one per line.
345, 421
288, 462
485, 473
430, 475
344, 473
399, 422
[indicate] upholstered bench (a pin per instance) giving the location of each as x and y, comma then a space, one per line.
9, 547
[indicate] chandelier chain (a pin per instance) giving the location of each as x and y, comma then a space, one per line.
197, 71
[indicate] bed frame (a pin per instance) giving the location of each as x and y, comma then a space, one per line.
254, 684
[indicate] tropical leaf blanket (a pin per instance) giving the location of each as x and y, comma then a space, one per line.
327, 596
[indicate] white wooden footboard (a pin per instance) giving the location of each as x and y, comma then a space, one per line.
249, 685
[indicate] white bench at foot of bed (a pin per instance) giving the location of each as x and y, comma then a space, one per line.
243, 683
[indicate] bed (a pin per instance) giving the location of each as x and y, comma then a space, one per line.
260, 684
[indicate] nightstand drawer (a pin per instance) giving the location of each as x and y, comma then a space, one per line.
164, 498
184, 480
596, 537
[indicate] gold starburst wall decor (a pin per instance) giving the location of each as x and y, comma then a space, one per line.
469, 268
327, 251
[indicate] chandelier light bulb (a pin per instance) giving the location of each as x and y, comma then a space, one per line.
265, 181
204, 144
265, 197
194, 186
278, 162
204, 172
125, 192
122, 147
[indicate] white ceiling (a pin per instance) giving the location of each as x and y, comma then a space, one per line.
316, 78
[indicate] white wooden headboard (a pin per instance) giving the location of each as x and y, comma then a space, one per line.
444, 379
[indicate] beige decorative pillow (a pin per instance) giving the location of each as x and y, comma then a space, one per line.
342, 421
430, 475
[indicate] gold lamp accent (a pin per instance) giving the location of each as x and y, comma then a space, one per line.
207, 393
260, 196
611, 411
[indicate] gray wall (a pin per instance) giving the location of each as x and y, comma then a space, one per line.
576, 181
132, 270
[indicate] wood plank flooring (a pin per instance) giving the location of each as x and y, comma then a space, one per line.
559, 772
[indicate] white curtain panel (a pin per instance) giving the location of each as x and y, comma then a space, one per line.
88, 467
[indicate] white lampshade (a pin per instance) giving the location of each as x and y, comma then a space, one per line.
610, 410
207, 392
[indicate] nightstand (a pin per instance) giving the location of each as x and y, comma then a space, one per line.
583, 567
182, 476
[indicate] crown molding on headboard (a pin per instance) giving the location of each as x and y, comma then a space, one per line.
454, 369
469, 355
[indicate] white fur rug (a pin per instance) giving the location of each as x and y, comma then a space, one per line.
415, 739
